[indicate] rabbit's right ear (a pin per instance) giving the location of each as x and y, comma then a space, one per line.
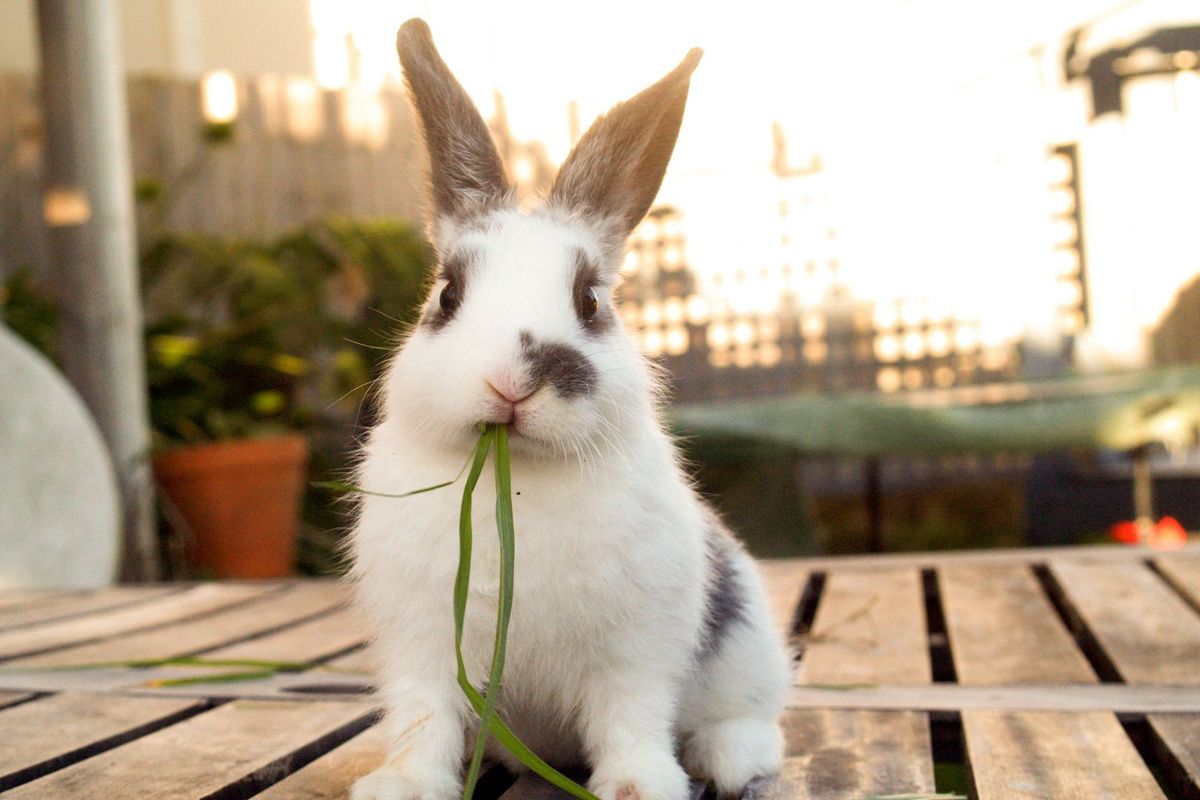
616, 169
466, 173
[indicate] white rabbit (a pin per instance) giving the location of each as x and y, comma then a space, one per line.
640, 627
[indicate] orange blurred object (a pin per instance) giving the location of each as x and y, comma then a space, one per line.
241, 501
1166, 534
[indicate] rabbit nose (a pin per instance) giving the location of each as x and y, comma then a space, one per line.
511, 394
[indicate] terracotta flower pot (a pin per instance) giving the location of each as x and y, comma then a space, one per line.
241, 500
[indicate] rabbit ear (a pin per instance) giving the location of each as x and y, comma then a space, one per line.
616, 169
466, 173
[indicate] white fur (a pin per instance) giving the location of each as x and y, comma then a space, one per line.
602, 666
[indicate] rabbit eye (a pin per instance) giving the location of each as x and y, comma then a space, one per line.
589, 304
450, 298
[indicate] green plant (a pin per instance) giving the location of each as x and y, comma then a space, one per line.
249, 337
30, 313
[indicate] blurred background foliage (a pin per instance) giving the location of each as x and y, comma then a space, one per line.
253, 336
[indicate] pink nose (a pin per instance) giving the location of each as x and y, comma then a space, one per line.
509, 393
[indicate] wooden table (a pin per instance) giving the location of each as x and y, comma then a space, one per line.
1070, 673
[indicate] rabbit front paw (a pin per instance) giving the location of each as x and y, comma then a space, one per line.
391, 784
658, 779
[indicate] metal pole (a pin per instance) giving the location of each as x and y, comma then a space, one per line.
88, 209
873, 478
1143, 492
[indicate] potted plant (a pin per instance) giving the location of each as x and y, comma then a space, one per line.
255, 349
224, 325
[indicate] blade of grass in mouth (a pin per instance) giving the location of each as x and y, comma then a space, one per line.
490, 722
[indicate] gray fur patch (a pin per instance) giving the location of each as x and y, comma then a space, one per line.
560, 365
724, 602
455, 269
587, 275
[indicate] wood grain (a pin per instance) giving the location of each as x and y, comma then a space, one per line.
50, 729
1016, 755
836, 755
869, 628
62, 606
1183, 572
198, 600
239, 742
784, 580
1004, 630
361, 660
12, 698
309, 641
331, 776
293, 603
1146, 630
1180, 734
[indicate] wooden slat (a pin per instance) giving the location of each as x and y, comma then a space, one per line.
1004, 630
72, 604
833, 755
293, 603
239, 741
17, 598
869, 628
331, 775
1146, 630
785, 580
37, 734
197, 600
1118, 697
1046, 754
309, 641
12, 698
1181, 735
362, 660
1183, 572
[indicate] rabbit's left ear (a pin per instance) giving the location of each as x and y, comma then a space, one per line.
616, 169
465, 170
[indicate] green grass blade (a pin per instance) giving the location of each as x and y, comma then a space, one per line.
229, 677
504, 529
462, 582
495, 725
349, 488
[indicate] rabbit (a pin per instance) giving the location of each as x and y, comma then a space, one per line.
641, 646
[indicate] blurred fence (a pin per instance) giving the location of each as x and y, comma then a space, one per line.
294, 152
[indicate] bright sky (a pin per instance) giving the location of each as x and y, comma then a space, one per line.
932, 117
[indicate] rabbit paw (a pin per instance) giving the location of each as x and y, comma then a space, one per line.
390, 784
662, 779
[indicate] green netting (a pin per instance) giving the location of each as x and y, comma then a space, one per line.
1116, 411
